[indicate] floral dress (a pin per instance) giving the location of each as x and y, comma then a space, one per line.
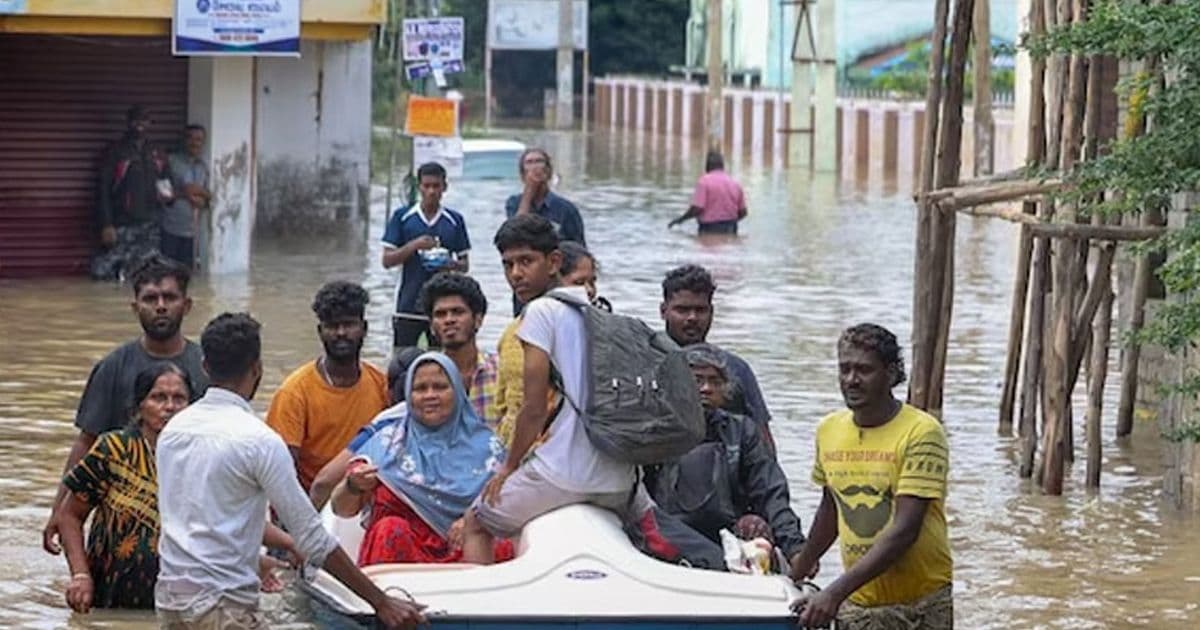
117, 478
395, 533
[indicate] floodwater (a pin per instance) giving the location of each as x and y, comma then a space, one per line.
814, 257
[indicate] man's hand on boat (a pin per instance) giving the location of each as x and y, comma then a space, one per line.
398, 613
817, 610
491, 492
801, 573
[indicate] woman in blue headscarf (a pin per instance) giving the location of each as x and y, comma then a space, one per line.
415, 478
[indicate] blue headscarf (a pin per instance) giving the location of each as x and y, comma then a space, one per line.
438, 471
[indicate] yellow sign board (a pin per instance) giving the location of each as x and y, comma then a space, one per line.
431, 117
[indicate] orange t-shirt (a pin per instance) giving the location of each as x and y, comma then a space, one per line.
319, 419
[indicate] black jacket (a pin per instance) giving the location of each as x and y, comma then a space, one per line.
730, 474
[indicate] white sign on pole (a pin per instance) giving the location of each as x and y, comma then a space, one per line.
237, 27
532, 24
447, 151
429, 39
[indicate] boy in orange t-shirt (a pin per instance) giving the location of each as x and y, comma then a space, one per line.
321, 405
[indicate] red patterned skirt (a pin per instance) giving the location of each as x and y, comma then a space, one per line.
396, 534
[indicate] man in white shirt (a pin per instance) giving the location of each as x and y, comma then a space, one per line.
566, 468
218, 466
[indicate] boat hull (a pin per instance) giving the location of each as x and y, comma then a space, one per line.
575, 568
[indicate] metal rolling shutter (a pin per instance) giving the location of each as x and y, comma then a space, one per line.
62, 101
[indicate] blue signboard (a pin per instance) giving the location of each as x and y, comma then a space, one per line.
237, 27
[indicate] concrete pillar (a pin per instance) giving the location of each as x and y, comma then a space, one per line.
862, 141
672, 98
824, 142
564, 114
891, 140
757, 124
221, 97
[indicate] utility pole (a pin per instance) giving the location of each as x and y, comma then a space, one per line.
984, 124
564, 114
714, 113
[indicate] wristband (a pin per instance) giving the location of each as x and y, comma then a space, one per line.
76, 576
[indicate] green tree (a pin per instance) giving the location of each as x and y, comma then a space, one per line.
1149, 169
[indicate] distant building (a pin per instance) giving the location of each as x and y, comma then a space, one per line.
759, 33
287, 136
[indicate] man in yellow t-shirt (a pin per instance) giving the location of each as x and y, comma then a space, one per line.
882, 467
321, 405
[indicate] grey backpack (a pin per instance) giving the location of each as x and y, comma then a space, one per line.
643, 405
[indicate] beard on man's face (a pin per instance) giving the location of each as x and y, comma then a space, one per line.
160, 327
343, 349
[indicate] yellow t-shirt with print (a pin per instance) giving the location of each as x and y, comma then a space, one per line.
865, 469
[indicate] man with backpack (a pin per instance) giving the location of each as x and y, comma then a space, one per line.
567, 467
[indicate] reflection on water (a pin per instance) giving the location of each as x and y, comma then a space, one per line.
813, 257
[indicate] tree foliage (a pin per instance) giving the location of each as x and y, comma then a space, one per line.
1148, 170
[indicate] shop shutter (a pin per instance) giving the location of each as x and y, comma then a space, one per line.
62, 101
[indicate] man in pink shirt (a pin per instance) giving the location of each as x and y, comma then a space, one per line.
718, 202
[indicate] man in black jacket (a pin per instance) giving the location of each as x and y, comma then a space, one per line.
731, 480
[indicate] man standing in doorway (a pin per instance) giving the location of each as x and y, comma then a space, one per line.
425, 239
718, 202
189, 180
321, 405
882, 467
687, 309
160, 301
129, 198
456, 306
218, 467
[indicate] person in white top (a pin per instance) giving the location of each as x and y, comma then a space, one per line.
217, 469
566, 468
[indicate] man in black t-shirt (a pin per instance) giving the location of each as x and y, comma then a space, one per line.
160, 302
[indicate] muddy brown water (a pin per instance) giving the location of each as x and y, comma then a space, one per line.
815, 256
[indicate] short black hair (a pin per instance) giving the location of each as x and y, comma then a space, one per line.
340, 299
145, 380
713, 161
431, 169
879, 340
231, 344
692, 278
195, 127
154, 269
527, 230
450, 283
526, 152
573, 252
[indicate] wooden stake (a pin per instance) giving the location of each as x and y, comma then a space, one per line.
1058, 383
948, 167
1097, 374
1034, 154
984, 125
923, 290
1031, 384
1133, 353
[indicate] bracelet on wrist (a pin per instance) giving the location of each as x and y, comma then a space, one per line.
80, 576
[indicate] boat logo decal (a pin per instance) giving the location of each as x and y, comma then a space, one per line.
586, 574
